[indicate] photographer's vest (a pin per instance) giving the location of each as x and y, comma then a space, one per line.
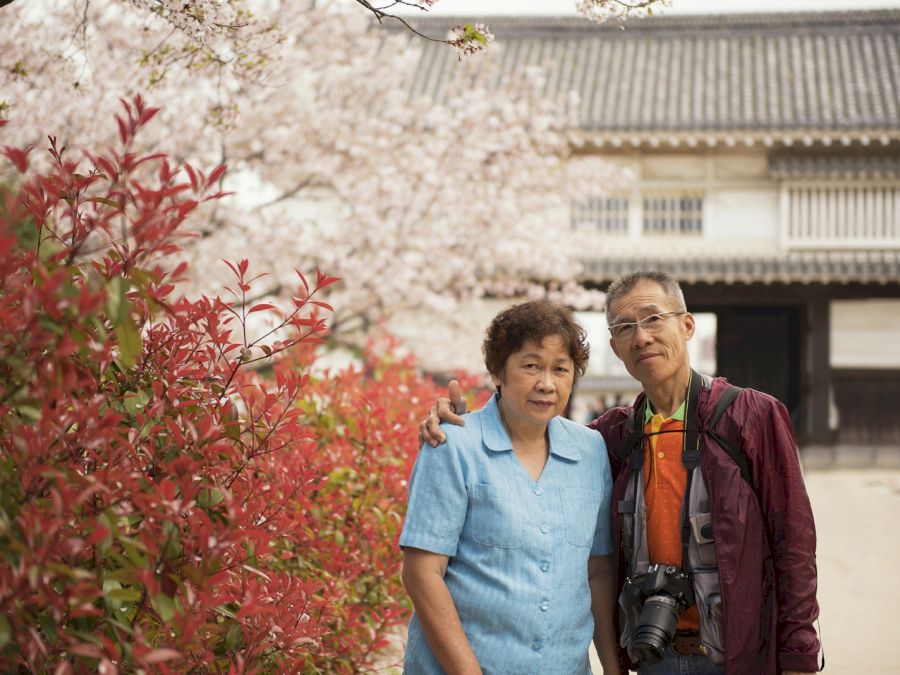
698, 546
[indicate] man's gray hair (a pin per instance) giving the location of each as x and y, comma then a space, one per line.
625, 284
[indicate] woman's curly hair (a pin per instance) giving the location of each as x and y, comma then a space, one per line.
535, 320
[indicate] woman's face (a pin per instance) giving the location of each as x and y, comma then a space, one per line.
535, 383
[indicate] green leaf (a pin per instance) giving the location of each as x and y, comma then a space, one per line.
129, 342
108, 202
124, 594
104, 544
226, 611
27, 233
135, 401
164, 606
5, 631
31, 413
124, 627
48, 627
234, 636
116, 302
210, 497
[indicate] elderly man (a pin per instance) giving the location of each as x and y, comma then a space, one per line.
714, 530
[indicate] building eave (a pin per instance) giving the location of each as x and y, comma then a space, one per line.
697, 139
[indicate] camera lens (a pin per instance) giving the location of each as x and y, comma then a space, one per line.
655, 629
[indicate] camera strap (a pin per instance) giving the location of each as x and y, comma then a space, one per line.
690, 453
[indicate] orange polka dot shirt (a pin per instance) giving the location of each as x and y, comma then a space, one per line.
665, 480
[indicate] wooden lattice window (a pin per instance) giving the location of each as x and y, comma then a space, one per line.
608, 215
673, 214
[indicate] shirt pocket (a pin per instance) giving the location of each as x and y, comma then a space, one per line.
497, 516
580, 509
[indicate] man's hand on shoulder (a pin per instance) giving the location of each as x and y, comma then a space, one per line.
444, 410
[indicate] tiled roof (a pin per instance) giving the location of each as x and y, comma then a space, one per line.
790, 166
832, 72
877, 267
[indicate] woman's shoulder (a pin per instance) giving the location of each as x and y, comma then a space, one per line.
462, 436
583, 437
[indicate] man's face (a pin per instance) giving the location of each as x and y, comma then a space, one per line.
657, 351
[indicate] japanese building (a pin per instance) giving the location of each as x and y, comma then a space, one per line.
764, 156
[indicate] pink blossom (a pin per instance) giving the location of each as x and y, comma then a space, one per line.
422, 206
470, 38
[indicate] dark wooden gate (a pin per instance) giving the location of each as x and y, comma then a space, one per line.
759, 347
866, 402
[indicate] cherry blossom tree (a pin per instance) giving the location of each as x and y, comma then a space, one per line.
416, 204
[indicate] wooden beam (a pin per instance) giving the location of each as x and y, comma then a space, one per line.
817, 387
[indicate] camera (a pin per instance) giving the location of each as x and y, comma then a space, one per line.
653, 601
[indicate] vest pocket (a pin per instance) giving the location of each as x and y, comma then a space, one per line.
580, 509
493, 522
709, 604
704, 551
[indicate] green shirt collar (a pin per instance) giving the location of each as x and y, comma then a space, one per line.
677, 415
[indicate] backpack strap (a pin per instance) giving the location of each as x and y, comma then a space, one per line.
634, 424
725, 400
690, 457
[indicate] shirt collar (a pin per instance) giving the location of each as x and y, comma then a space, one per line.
677, 415
496, 438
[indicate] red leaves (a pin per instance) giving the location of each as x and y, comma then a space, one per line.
137, 115
323, 280
19, 157
201, 183
182, 511
263, 306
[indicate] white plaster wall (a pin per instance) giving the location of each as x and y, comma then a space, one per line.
691, 168
740, 217
865, 333
741, 205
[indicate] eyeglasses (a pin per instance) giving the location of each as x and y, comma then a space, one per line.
654, 323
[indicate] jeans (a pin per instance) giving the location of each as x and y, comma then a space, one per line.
676, 664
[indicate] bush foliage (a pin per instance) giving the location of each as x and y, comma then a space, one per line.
164, 507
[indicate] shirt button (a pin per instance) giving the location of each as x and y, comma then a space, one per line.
537, 646
545, 605
538, 491
661, 455
545, 566
545, 529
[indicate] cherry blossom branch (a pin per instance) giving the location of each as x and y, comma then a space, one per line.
467, 38
603, 10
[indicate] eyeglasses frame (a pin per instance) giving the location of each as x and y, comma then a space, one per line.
640, 322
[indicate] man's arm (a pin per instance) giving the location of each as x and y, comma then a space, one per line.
792, 538
601, 580
423, 576
444, 410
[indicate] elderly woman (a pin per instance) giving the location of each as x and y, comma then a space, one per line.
506, 544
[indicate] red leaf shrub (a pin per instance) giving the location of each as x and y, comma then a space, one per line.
162, 507
365, 426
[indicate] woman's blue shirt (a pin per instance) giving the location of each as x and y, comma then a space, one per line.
518, 548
